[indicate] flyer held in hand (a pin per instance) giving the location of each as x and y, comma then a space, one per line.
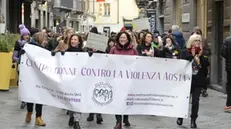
107, 84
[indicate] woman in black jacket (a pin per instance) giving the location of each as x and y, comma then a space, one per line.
170, 48
194, 53
75, 44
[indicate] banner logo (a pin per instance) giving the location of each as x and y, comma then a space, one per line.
102, 93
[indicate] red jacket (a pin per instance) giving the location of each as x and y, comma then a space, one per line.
124, 50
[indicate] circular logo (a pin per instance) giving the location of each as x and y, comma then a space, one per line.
102, 93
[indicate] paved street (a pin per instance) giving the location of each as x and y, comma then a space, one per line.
211, 116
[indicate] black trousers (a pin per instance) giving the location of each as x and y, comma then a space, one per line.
228, 89
119, 118
38, 109
195, 92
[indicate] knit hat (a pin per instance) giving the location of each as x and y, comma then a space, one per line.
123, 29
23, 30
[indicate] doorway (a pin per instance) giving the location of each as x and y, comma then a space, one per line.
219, 21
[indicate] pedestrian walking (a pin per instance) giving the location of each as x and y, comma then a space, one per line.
194, 53
226, 53
19, 44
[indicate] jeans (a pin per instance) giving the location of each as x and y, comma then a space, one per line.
195, 92
119, 118
38, 109
228, 89
76, 115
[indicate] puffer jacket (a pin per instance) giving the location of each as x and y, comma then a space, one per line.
127, 49
226, 53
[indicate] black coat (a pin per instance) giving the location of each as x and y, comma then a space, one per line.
199, 71
226, 53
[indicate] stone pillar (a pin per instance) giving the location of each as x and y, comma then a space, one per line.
27, 14
51, 20
41, 17
46, 17
33, 14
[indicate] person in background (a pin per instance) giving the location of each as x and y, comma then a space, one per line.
207, 54
63, 41
123, 47
157, 44
140, 37
146, 48
226, 53
170, 48
99, 118
75, 45
19, 44
110, 44
40, 39
178, 36
194, 53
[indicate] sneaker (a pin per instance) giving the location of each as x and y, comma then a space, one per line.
23, 105
227, 109
205, 93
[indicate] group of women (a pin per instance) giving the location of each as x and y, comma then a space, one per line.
124, 43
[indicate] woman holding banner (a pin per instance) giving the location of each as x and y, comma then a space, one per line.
40, 39
75, 45
194, 53
123, 47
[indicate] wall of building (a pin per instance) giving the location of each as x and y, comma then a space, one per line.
218, 28
118, 10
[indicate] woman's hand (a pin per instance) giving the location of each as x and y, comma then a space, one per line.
193, 51
94, 50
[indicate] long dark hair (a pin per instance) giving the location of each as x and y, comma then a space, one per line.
172, 39
144, 37
80, 41
118, 37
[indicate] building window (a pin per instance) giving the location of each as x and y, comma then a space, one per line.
107, 9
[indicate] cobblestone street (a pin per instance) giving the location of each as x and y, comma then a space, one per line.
211, 116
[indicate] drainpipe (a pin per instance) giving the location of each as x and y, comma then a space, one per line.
118, 11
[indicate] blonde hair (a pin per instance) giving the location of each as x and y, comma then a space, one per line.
40, 37
192, 39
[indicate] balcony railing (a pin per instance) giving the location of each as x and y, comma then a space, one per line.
69, 5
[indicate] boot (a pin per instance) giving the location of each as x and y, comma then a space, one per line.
99, 119
126, 123
179, 121
204, 93
193, 123
118, 125
90, 117
28, 117
71, 121
23, 105
76, 125
39, 122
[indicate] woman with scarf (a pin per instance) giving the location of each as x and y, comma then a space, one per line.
194, 53
123, 47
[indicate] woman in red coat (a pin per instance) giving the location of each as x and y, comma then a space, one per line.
123, 47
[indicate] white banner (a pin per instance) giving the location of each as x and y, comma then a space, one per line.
108, 84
